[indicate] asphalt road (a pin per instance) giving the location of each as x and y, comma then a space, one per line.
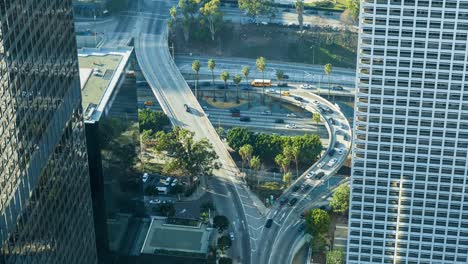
297, 72
277, 241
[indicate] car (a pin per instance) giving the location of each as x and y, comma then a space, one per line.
205, 107
285, 76
155, 201
268, 223
303, 214
220, 86
331, 121
344, 126
286, 10
315, 102
295, 188
320, 165
293, 201
246, 88
337, 88
306, 86
231, 235
340, 151
264, 23
283, 201
266, 112
234, 110
167, 181
306, 187
279, 121
270, 91
301, 228
291, 126
331, 162
310, 175
346, 137
320, 175
235, 114
298, 98
331, 152
174, 182
244, 119
282, 84
207, 114
187, 108
145, 177
291, 115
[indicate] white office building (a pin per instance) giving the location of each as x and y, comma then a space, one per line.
409, 189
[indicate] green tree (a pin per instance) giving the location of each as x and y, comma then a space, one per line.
317, 222
210, 10
300, 13
188, 8
225, 260
152, 120
296, 152
283, 161
254, 8
207, 206
240, 136
190, 157
260, 63
246, 72
328, 70
224, 243
287, 178
237, 80
167, 209
173, 15
310, 147
340, 199
221, 222
225, 77
246, 152
316, 118
196, 69
267, 146
211, 66
176, 189
335, 257
255, 165
353, 6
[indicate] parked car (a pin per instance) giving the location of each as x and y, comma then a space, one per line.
293, 201
244, 119
279, 121
268, 223
145, 177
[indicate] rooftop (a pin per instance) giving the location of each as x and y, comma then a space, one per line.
100, 70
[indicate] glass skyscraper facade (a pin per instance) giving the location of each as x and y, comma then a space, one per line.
409, 186
45, 202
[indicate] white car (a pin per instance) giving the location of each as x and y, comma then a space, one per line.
145, 177
168, 181
231, 235
310, 175
291, 115
290, 126
174, 182
332, 162
306, 86
155, 201
266, 112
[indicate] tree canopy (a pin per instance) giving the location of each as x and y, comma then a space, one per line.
224, 243
210, 11
192, 158
221, 222
317, 222
152, 120
335, 257
340, 199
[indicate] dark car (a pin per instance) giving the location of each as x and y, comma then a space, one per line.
268, 223
293, 201
283, 201
285, 76
279, 121
332, 152
234, 110
283, 84
319, 175
187, 108
301, 228
220, 86
297, 98
331, 121
245, 119
346, 137
337, 88
295, 188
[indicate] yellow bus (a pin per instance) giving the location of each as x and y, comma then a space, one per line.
261, 83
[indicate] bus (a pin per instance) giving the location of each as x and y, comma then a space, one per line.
260, 83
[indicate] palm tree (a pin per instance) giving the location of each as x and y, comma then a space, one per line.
211, 66
283, 161
316, 119
246, 72
300, 13
225, 77
245, 152
279, 77
328, 69
296, 151
255, 164
260, 63
237, 79
196, 69
287, 177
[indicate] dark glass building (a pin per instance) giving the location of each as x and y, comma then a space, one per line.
45, 203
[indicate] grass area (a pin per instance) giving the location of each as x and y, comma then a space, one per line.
223, 105
96, 85
318, 45
335, 5
266, 189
